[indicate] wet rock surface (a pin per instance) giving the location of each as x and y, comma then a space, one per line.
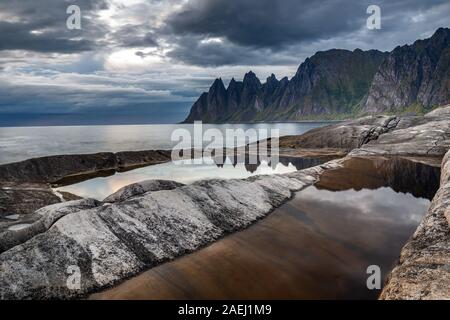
22, 199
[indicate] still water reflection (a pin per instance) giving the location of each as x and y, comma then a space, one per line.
316, 246
101, 187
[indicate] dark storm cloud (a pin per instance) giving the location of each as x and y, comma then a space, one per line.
135, 36
192, 50
249, 26
268, 23
40, 26
17, 36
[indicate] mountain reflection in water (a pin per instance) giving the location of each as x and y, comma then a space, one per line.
400, 174
107, 183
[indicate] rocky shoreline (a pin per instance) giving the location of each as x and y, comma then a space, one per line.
424, 268
146, 224
26, 186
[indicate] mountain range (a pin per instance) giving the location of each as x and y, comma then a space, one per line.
338, 83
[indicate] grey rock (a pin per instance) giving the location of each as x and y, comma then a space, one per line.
346, 135
110, 243
24, 199
140, 188
39, 222
428, 136
423, 271
53, 169
415, 74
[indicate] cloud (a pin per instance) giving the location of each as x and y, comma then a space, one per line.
40, 26
218, 52
268, 23
260, 29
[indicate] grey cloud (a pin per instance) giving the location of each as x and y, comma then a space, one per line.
48, 17
191, 50
274, 32
134, 36
16, 36
268, 23
42, 92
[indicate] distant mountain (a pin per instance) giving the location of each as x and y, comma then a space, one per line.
337, 83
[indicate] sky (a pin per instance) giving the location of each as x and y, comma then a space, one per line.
147, 61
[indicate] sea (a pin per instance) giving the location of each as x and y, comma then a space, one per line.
21, 143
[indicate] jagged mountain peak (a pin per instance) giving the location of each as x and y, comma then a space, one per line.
337, 82
251, 78
272, 79
218, 83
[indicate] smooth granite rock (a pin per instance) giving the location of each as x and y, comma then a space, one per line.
39, 222
346, 135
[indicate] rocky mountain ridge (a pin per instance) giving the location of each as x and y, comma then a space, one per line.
338, 83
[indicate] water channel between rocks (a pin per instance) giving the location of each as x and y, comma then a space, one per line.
316, 246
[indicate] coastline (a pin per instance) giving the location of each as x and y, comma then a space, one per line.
386, 136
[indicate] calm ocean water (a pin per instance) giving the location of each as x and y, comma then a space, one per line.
21, 143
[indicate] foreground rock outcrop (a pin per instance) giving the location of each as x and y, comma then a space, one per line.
424, 268
39, 222
111, 242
